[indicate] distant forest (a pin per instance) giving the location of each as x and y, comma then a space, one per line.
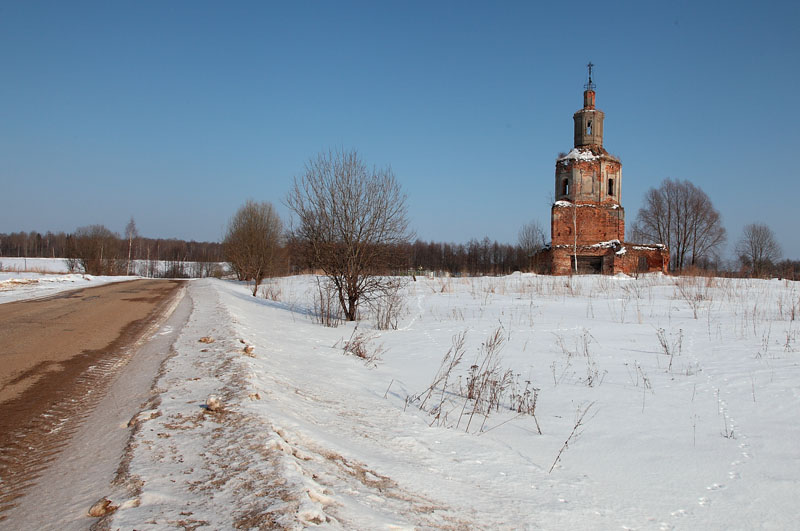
476, 257
63, 245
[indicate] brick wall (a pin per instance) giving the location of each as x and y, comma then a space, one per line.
631, 261
594, 223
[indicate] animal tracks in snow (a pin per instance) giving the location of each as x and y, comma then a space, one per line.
729, 429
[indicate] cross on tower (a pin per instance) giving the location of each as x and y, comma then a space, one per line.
589, 85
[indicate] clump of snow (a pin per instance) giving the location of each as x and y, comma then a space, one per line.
213, 403
622, 251
578, 154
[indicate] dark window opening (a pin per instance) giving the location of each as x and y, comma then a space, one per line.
643, 264
611, 187
589, 127
565, 187
587, 265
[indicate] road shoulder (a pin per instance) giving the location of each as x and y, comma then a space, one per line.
87, 464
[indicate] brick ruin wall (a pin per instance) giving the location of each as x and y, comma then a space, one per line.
642, 259
588, 179
635, 259
594, 223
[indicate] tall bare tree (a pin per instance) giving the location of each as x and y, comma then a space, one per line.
253, 241
757, 249
130, 234
681, 216
351, 220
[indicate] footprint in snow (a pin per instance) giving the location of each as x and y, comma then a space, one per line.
716, 486
704, 501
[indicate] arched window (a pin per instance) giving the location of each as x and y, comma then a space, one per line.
611, 187
589, 127
565, 187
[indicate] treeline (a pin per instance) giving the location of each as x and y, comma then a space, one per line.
105, 252
476, 257
97, 250
61, 244
789, 269
110, 250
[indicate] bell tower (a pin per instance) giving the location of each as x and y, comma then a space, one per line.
587, 212
587, 223
588, 174
589, 121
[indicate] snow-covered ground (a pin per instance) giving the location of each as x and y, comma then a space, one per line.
26, 285
33, 265
145, 268
663, 403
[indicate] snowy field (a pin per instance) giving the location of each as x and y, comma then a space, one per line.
144, 268
32, 265
662, 402
44, 278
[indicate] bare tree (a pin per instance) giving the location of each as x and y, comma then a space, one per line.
351, 221
757, 249
253, 241
681, 216
531, 237
531, 240
97, 250
130, 234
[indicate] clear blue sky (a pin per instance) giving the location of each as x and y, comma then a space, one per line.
176, 112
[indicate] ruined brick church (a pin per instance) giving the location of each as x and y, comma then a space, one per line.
587, 219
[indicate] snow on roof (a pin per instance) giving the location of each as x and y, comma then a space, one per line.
605, 245
651, 247
622, 251
578, 154
582, 247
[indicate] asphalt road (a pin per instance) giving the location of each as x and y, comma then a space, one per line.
58, 356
